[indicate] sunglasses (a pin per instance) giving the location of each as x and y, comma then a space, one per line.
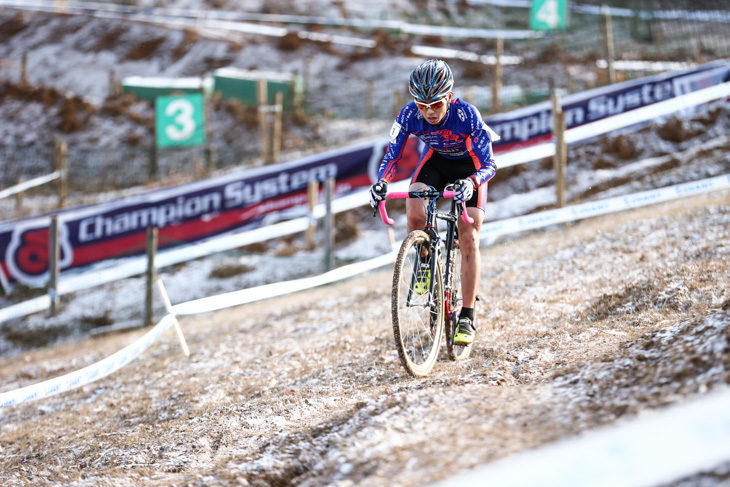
434, 104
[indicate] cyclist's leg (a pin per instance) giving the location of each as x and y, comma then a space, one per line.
471, 262
415, 212
471, 258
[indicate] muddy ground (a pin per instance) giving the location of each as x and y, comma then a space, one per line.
580, 326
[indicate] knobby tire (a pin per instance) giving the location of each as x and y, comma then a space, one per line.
418, 319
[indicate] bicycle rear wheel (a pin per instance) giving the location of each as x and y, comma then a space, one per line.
456, 352
418, 309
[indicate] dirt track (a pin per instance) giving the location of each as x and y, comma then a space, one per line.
579, 326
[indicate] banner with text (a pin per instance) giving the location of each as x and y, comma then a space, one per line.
185, 213
533, 125
193, 212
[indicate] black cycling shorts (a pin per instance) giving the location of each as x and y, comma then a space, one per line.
437, 171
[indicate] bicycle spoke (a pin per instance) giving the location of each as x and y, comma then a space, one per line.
417, 307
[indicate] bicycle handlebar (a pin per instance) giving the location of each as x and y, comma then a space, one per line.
405, 194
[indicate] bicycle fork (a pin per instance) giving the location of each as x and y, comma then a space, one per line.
449, 291
414, 275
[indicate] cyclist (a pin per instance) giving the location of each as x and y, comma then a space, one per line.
458, 149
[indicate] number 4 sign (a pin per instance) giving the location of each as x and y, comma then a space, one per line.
179, 120
548, 14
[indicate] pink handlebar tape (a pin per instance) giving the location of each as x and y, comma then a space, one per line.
404, 194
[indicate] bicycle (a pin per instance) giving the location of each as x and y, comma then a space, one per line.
426, 295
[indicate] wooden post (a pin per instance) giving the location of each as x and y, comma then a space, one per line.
113, 86
295, 94
609, 46
262, 100
211, 158
152, 168
305, 75
19, 198
329, 227
278, 112
151, 274
312, 196
561, 150
24, 70
370, 100
398, 102
497, 82
60, 163
658, 37
54, 250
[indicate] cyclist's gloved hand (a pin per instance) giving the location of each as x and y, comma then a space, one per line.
378, 192
463, 190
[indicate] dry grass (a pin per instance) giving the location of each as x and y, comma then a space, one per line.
307, 389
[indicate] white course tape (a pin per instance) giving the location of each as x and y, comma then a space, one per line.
233, 20
87, 374
606, 125
137, 265
236, 298
655, 448
204, 305
648, 112
31, 183
602, 207
244, 296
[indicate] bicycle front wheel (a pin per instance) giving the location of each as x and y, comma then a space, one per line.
417, 304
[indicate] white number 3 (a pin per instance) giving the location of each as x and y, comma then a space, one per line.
185, 124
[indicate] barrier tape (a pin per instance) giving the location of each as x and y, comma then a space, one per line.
136, 266
88, 374
234, 21
246, 296
31, 183
696, 15
602, 207
609, 124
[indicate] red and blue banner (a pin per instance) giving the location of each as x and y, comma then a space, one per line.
533, 125
184, 214
245, 199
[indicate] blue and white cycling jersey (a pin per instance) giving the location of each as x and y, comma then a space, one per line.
462, 133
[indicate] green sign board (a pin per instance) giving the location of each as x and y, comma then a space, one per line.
179, 120
549, 14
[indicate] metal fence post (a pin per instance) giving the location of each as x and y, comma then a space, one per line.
151, 274
329, 189
312, 195
53, 260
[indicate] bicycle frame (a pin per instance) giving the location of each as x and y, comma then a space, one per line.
432, 214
